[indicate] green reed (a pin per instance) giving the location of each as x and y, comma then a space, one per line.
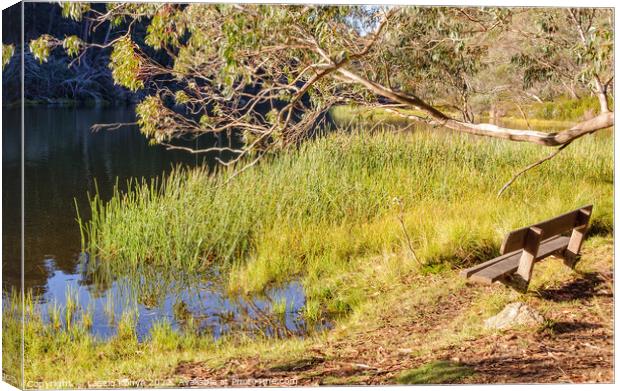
71, 304
54, 311
87, 316
279, 307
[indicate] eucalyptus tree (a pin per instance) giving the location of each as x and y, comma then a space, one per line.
269, 71
567, 48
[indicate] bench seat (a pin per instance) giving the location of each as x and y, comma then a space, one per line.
493, 270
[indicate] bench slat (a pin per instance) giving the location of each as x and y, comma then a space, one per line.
500, 269
509, 263
469, 271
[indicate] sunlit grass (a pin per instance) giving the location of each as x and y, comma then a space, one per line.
317, 213
109, 308
567, 109
87, 317
71, 304
73, 356
279, 307
54, 311
15, 308
438, 372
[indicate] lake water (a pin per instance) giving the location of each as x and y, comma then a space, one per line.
63, 162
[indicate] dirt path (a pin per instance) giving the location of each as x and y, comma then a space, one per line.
575, 346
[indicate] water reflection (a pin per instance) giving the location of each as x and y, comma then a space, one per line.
197, 302
64, 161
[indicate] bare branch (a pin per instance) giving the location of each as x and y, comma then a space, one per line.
527, 122
535, 164
200, 151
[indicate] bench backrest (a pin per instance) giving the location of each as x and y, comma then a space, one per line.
558, 225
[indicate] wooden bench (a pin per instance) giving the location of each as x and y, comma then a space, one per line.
526, 246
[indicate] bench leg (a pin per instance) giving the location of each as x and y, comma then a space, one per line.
528, 257
571, 254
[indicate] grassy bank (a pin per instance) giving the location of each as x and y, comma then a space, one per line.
59, 355
408, 328
366, 222
566, 109
325, 212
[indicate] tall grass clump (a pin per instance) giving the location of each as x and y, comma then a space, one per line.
279, 307
54, 311
324, 213
87, 316
568, 109
16, 308
126, 328
71, 305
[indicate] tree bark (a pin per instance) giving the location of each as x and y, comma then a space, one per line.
601, 93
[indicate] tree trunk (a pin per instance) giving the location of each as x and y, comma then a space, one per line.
601, 93
571, 90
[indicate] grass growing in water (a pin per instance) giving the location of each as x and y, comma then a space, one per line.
109, 309
87, 316
279, 307
71, 304
69, 355
75, 356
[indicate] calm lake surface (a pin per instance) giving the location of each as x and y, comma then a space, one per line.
64, 162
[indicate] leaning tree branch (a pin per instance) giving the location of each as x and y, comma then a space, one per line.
529, 167
602, 121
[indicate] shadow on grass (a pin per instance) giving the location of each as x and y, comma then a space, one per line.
587, 286
569, 327
600, 228
438, 372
